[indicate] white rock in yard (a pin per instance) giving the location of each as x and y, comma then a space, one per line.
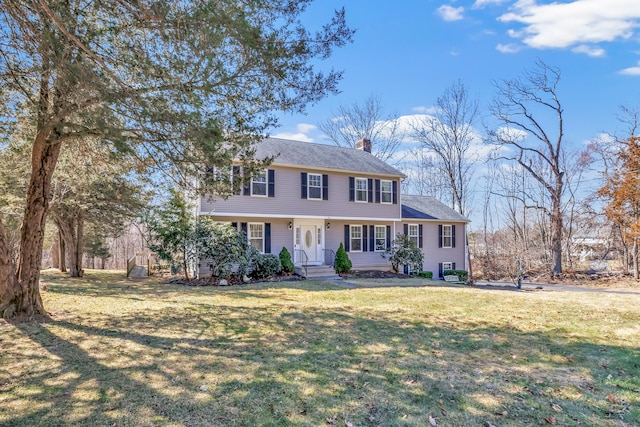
223, 282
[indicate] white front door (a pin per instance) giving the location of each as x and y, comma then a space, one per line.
309, 241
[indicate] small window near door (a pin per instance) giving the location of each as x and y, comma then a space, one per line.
298, 232
319, 240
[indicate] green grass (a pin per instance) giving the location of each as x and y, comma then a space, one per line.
313, 353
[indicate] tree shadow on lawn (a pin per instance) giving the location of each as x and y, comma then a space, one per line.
229, 365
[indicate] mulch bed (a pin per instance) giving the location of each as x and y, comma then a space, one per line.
231, 281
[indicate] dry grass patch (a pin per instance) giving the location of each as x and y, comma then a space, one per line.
314, 353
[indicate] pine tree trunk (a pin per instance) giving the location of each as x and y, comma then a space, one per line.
9, 289
556, 229
55, 254
71, 225
62, 256
636, 266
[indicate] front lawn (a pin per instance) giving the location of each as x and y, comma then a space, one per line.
127, 353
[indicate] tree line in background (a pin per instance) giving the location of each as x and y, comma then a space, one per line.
539, 199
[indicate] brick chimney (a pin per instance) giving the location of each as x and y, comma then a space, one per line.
364, 144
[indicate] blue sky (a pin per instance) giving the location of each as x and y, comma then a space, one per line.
408, 51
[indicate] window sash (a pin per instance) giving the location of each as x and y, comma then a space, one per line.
361, 189
381, 238
256, 236
447, 266
446, 236
356, 238
259, 184
414, 233
386, 191
314, 185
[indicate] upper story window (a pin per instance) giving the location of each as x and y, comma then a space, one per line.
314, 184
259, 184
414, 234
447, 236
386, 191
361, 189
356, 238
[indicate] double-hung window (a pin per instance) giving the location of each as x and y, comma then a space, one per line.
381, 238
386, 191
259, 184
314, 185
414, 234
361, 190
256, 236
356, 238
447, 236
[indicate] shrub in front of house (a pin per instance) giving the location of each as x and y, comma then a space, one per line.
285, 261
403, 251
342, 262
426, 274
462, 274
265, 265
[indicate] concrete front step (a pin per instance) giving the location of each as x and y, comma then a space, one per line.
318, 272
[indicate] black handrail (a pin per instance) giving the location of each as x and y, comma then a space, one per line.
331, 258
304, 258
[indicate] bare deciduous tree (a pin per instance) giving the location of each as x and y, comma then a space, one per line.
365, 121
526, 105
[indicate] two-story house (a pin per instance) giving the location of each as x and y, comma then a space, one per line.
314, 197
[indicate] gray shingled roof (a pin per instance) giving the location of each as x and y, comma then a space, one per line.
425, 207
297, 153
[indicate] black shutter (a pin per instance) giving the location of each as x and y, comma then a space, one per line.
236, 179
352, 189
347, 239
370, 190
440, 269
388, 236
325, 187
453, 265
365, 247
420, 235
395, 192
377, 191
453, 236
247, 188
271, 183
267, 238
372, 238
303, 188
406, 269
439, 235
406, 229
234, 225
243, 227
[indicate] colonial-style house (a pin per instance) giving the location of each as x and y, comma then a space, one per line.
313, 197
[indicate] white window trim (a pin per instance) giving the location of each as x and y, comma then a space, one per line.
450, 266
450, 236
390, 192
366, 190
261, 224
309, 186
266, 185
417, 235
375, 238
351, 238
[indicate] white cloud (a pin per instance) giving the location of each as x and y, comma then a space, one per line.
573, 23
508, 48
479, 4
511, 134
593, 51
450, 13
424, 110
295, 136
631, 71
306, 127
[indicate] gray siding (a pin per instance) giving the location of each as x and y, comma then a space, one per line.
288, 201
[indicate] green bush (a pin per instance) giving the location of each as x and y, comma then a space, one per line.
265, 265
285, 261
426, 274
342, 263
462, 274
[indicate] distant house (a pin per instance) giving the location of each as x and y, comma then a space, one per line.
314, 197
